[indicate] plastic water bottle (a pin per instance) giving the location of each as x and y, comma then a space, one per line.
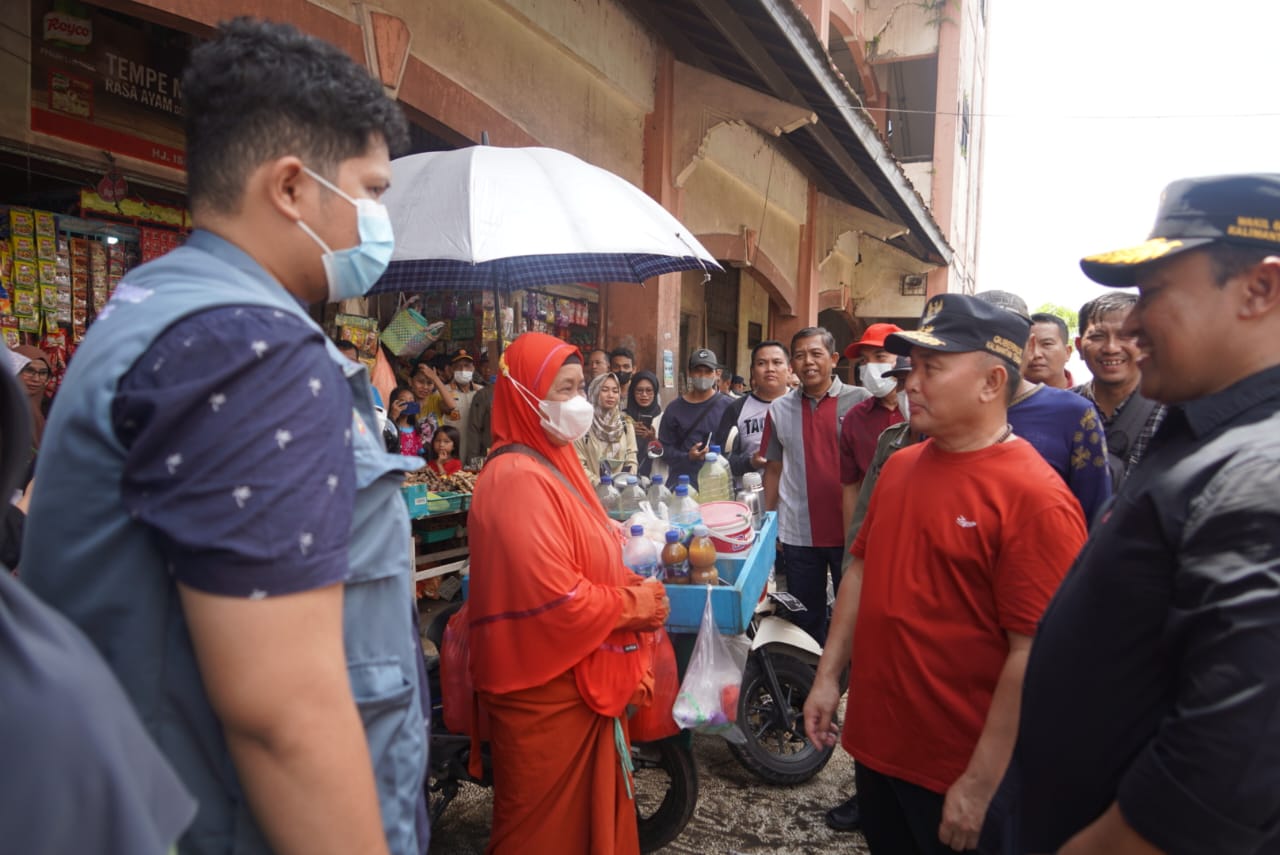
659, 494
608, 495
641, 556
685, 514
685, 482
752, 495
715, 481
630, 497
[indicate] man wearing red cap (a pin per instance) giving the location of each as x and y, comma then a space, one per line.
868, 419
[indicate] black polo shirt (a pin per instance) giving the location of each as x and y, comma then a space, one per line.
1154, 679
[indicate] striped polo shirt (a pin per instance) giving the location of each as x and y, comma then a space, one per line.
804, 434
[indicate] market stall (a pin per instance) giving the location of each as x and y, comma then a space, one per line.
57, 271
438, 506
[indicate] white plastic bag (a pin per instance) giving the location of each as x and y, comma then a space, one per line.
655, 527
708, 698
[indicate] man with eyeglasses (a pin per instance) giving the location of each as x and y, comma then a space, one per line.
1128, 419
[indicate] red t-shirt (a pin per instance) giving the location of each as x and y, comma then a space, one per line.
958, 549
858, 436
450, 466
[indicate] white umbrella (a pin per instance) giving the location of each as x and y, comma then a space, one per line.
512, 218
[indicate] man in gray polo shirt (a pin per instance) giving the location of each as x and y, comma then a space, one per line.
801, 445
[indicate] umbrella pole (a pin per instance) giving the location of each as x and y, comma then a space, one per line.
497, 317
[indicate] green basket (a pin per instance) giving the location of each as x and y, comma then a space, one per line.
409, 334
423, 502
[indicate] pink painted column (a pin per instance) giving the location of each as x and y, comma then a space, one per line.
648, 318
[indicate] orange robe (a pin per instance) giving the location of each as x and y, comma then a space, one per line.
553, 657
557, 785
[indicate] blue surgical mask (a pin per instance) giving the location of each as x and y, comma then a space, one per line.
352, 272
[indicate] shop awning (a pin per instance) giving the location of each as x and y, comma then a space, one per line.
769, 46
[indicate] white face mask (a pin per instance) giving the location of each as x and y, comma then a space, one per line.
463, 378
872, 375
567, 421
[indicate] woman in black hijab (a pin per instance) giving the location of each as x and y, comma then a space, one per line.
642, 408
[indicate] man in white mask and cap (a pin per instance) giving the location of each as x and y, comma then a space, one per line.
868, 419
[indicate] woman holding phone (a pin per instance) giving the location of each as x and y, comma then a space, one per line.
402, 412
642, 409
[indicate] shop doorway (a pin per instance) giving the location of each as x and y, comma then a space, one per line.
722, 317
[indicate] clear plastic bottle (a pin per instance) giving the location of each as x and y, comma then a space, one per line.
715, 481
641, 556
752, 495
630, 496
685, 513
685, 481
702, 558
608, 495
675, 560
659, 494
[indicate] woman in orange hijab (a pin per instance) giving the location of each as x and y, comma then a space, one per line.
556, 652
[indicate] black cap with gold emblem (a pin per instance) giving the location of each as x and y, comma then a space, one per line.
958, 323
1195, 212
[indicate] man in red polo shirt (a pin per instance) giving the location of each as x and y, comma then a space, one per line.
966, 538
867, 420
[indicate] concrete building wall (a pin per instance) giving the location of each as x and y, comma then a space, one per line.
901, 29
959, 142
744, 183
921, 176
867, 274
582, 84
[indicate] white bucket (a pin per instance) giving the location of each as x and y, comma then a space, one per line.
729, 524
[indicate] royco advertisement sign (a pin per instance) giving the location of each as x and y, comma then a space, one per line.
107, 80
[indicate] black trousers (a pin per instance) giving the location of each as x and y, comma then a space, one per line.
899, 818
807, 568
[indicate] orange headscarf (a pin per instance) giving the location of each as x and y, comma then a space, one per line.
546, 566
533, 360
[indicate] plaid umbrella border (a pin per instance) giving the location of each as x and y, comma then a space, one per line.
529, 271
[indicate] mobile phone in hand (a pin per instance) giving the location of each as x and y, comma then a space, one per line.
411, 409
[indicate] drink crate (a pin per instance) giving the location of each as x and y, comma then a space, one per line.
743, 577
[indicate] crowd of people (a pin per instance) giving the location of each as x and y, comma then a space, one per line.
1057, 602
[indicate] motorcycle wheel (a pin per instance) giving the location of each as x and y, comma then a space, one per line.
666, 790
775, 752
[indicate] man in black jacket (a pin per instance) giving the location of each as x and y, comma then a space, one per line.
1148, 719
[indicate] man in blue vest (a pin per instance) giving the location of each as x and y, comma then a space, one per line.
215, 510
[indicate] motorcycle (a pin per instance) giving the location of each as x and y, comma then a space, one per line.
665, 778
778, 678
